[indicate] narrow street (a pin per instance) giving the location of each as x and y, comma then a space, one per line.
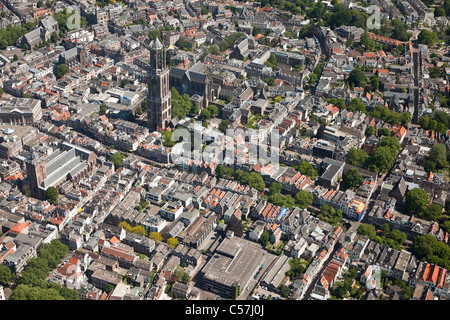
319, 273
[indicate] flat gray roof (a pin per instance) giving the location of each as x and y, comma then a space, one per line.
235, 260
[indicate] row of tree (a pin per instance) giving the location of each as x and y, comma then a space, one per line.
139, 229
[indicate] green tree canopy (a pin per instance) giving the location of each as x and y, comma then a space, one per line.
357, 157
172, 242
427, 37
437, 157
307, 169
370, 131
6, 275
304, 199
275, 188
297, 267
352, 179
117, 159
61, 70
357, 78
416, 201
52, 195
155, 236
367, 230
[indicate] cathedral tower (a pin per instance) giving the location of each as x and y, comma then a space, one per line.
158, 97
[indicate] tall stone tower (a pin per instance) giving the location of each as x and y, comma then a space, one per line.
36, 172
158, 97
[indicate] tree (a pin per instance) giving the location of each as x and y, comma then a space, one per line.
61, 70
124, 82
125, 225
297, 267
284, 290
438, 156
26, 190
357, 78
264, 238
155, 236
382, 159
370, 131
275, 188
117, 159
399, 30
285, 201
397, 236
416, 201
252, 179
139, 111
224, 125
367, 42
185, 278
367, 230
356, 105
213, 110
424, 121
235, 225
391, 142
229, 41
439, 12
156, 33
352, 179
433, 212
205, 114
272, 62
6, 275
235, 291
427, 37
167, 138
32, 281
304, 199
312, 79
109, 287
52, 195
172, 242
139, 230
375, 83
432, 250
330, 214
307, 169
435, 72
194, 109
103, 108
357, 157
